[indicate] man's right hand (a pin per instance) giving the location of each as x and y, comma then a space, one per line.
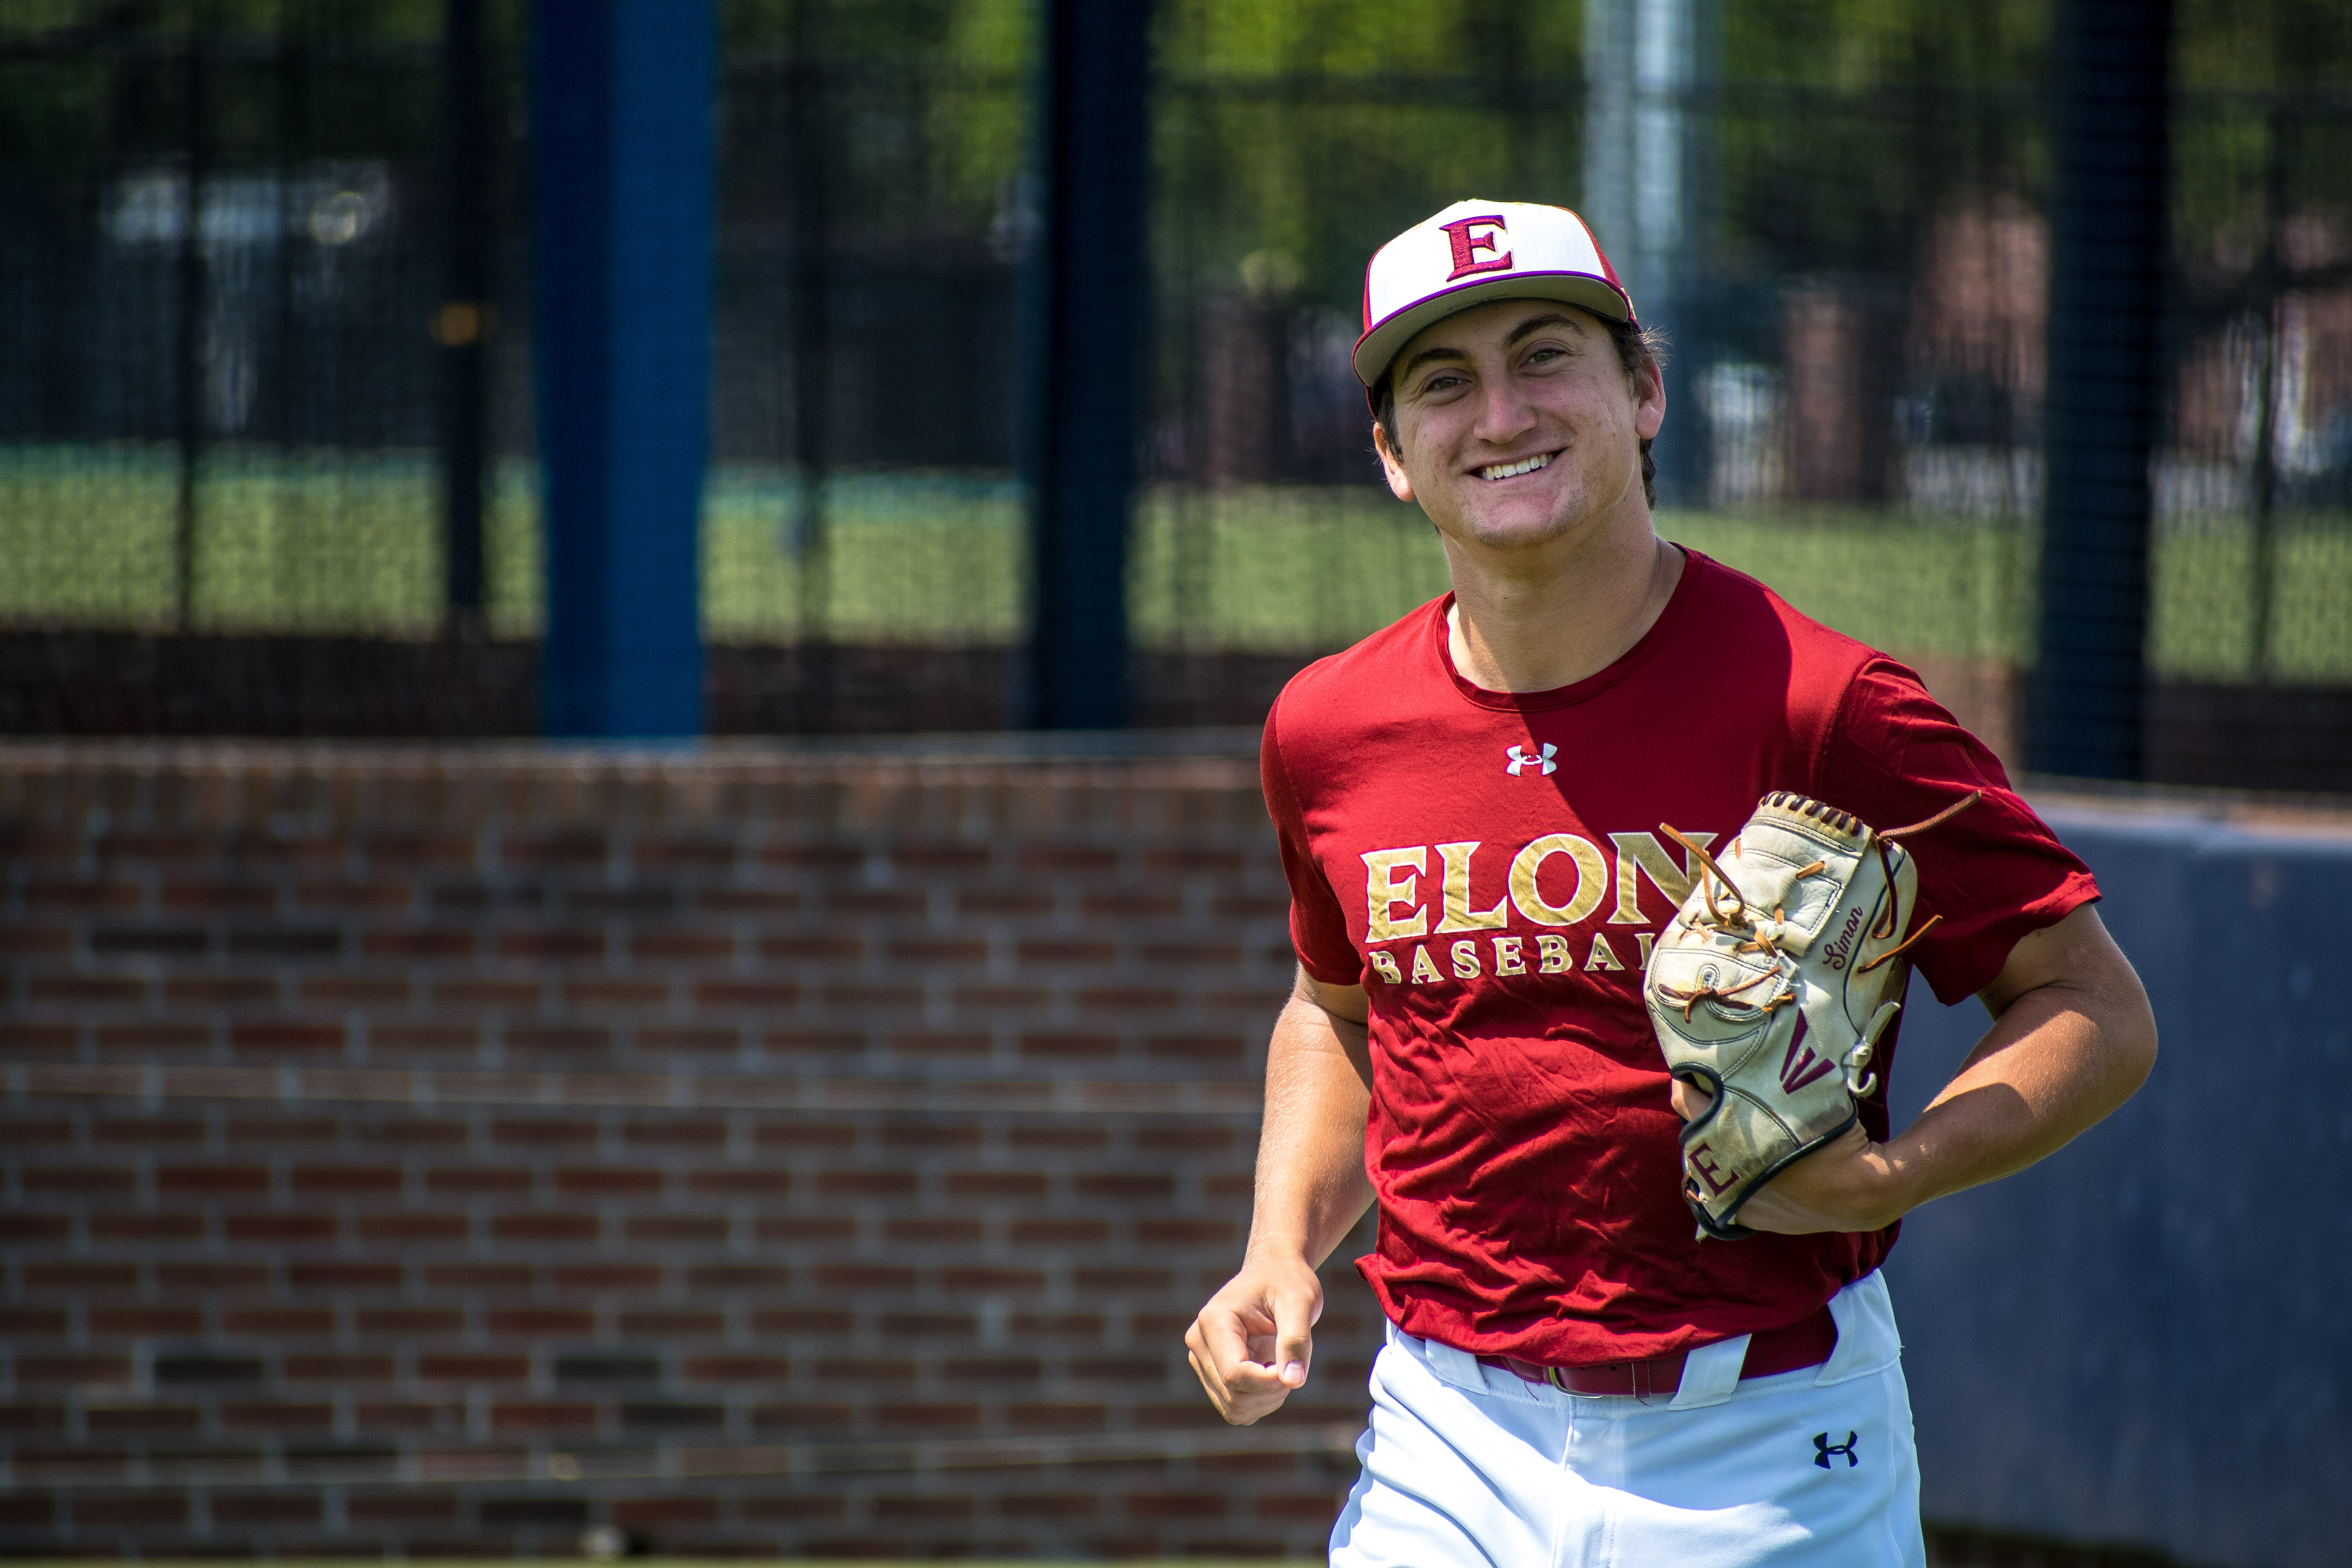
1252, 1344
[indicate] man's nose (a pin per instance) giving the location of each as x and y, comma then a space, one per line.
1504, 413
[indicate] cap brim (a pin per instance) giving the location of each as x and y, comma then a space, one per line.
1376, 348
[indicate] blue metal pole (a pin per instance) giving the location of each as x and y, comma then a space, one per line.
622, 154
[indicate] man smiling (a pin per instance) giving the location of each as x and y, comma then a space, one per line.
1468, 804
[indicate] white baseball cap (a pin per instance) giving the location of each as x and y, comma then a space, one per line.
1472, 252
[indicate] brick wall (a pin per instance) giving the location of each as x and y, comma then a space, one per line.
232, 1324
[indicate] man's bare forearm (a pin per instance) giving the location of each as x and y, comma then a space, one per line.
1311, 1187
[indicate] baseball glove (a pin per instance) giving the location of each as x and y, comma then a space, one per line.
1771, 985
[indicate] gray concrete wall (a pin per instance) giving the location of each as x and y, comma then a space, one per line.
2148, 1337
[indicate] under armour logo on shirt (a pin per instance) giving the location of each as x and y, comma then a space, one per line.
1519, 758
1823, 1449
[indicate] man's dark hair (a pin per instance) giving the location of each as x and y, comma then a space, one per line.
1638, 348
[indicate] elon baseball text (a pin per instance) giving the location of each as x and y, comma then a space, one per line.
1396, 905
1506, 955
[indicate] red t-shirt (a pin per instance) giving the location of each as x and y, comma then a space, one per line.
1488, 866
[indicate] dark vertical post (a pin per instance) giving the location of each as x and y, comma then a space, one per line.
191, 344
622, 173
1089, 298
2108, 234
812, 364
463, 323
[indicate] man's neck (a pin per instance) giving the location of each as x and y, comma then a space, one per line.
1534, 626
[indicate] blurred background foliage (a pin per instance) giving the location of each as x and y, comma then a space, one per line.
227, 423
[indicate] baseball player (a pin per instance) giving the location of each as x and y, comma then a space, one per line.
1634, 1317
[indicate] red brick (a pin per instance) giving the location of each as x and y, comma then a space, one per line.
419, 941
41, 1371
265, 1508
1059, 1135
354, 991
476, 1180
175, 894
681, 947
734, 1369
213, 1276
356, 1276
485, 993
401, 1508
120, 1420
83, 1277
608, 1181
1065, 1416
1121, 1281
126, 1320
675, 1228
991, 1282
995, 1183
547, 946
407, 1039
1059, 1232
797, 1041
1175, 1505
409, 1322
29, 1323
287, 1036
867, 1183
408, 1415
282, 1227
411, 1229
276, 1417
49, 893
84, 1181
713, 1040
1188, 1233
1059, 1046
520, 1322
779, 995
85, 990
1064, 951
546, 1228
929, 1419
278, 1322
565, 1040
669, 1325
651, 1512
603, 993
545, 1134
282, 1129
542, 1415
1057, 1507
130, 1509
473, 1368
219, 990
448, 1277
833, 1277
570, 1277
942, 1043
347, 1180
35, 942
740, 1184
146, 1226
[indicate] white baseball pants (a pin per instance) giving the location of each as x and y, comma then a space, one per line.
1470, 1466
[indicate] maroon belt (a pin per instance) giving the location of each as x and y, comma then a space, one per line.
1805, 1342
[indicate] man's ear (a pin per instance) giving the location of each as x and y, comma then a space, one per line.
1649, 402
1399, 482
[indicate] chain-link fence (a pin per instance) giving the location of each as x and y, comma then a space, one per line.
224, 257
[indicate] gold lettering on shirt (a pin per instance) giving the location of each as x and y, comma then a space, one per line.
1553, 951
1602, 955
1459, 915
1466, 960
1424, 973
1506, 955
1384, 965
1640, 855
1592, 879
1391, 879
1646, 939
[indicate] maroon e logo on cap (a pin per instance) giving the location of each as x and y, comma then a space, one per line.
1466, 233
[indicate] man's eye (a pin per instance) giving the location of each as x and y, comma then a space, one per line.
1437, 384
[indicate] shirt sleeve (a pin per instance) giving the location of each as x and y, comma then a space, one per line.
1319, 926
1995, 872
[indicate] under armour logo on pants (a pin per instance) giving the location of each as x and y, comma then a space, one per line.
1824, 1449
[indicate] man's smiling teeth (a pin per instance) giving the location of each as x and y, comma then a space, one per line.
1510, 470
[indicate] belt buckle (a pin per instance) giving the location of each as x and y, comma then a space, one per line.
1558, 1377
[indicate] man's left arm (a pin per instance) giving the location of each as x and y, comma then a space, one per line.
2072, 1037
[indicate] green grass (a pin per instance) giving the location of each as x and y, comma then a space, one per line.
320, 542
